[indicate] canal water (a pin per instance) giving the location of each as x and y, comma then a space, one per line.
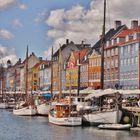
37, 128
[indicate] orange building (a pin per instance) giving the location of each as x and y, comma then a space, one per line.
94, 69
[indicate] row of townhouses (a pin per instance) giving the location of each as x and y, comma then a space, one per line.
121, 64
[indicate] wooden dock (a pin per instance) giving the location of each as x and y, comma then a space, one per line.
135, 129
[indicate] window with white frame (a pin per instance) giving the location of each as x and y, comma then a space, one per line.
137, 47
116, 51
121, 50
112, 52
128, 48
136, 60
128, 61
121, 62
116, 62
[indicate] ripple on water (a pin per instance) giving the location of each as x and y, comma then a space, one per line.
37, 128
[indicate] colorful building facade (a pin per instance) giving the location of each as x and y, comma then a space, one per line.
72, 69
94, 69
129, 50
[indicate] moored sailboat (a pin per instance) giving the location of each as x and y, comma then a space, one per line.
25, 108
64, 113
28, 110
3, 105
43, 108
106, 108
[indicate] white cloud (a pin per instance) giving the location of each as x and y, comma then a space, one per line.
56, 19
6, 3
7, 53
76, 13
22, 6
41, 16
17, 23
79, 23
6, 34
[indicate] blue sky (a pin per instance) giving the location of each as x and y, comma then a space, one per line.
26, 30
43, 23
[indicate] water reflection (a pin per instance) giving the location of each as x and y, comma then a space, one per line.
37, 128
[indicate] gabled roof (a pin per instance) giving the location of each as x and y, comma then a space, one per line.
41, 62
32, 54
82, 52
111, 33
128, 32
79, 47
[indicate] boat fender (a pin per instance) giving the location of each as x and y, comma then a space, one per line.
128, 118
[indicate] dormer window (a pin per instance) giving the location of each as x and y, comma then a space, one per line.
127, 38
131, 37
85, 57
107, 43
112, 42
77, 61
118, 40
135, 36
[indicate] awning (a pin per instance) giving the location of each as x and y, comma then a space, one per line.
98, 93
46, 95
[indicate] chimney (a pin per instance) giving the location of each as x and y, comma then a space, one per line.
118, 23
67, 41
19, 60
9, 64
82, 42
134, 23
40, 58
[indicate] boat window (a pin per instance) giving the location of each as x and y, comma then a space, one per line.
72, 99
78, 99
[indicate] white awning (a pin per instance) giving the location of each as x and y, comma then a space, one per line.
98, 93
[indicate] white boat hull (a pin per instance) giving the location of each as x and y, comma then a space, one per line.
95, 118
3, 105
115, 126
43, 109
26, 111
69, 121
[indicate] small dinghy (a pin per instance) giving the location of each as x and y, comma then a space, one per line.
115, 126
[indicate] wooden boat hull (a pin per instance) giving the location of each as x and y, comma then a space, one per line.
115, 126
43, 109
3, 105
70, 121
96, 118
26, 111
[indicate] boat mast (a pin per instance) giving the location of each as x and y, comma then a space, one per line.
78, 89
2, 73
15, 80
52, 72
60, 75
102, 47
27, 72
70, 94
